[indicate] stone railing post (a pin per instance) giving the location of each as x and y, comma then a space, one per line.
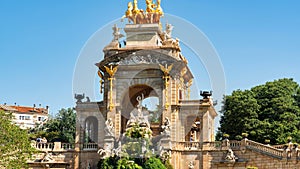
295, 154
289, 151
243, 146
285, 154
226, 144
57, 146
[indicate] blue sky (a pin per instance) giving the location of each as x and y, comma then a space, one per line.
40, 41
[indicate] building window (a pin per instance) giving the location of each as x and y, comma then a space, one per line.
41, 118
24, 117
180, 95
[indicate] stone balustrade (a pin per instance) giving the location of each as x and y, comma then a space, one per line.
282, 146
209, 146
268, 150
90, 146
187, 146
212, 146
235, 145
44, 146
56, 146
68, 146
279, 151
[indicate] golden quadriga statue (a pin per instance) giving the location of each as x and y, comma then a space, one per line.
139, 16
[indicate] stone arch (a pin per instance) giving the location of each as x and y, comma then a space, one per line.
193, 128
138, 79
91, 129
129, 101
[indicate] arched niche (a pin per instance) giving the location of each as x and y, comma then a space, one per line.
193, 125
91, 130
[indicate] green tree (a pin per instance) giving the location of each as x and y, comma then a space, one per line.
240, 114
270, 111
154, 163
60, 128
15, 147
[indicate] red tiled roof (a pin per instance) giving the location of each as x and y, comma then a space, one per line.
24, 109
7, 108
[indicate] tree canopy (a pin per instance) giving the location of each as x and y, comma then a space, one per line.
15, 147
60, 128
266, 112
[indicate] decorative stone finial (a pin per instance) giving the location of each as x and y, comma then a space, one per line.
79, 98
205, 94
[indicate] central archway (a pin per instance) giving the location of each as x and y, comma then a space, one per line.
130, 102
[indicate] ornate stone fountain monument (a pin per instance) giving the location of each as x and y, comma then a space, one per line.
149, 65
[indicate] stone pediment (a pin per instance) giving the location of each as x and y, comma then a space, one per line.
155, 56
147, 59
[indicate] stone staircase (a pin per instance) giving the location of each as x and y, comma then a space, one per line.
277, 152
265, 149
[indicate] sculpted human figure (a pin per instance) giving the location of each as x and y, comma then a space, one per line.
109, 127
139, 99
166, 127
131, 120
116, 33
230, 156
168, 32
168, 40
47, 157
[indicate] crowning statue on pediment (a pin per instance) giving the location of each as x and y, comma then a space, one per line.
152, 14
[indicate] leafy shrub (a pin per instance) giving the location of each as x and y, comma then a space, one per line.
136, 144
154, 163
107, 163
168, 165
127, 164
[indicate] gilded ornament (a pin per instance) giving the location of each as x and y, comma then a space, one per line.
111, 71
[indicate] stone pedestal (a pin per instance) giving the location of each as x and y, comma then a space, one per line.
144, 35
109, 143
57, 146
166, 143
108, 147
